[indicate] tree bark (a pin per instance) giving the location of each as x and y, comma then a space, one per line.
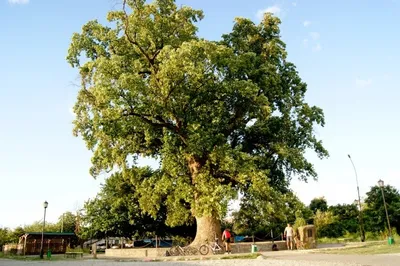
208, 228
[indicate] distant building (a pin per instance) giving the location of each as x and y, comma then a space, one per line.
30, 243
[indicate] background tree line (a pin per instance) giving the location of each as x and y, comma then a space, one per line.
67, 222
114, 212
331, 221
343, 219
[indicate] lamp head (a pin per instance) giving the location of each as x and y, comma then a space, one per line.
381, 183
45, 204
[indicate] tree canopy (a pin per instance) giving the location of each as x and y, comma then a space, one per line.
115, 212
220, 117
4, 237
260, 213
375, 212
348, 217
67, 222
319, 204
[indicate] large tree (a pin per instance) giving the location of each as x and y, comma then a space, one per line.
67, 222
318, 204
347, 217
115, 212
219, 116
260, 213
4, 237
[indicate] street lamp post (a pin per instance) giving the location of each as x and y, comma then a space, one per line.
45, 204
362, 233
382, 185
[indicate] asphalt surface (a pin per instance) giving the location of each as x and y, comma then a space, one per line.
282, 258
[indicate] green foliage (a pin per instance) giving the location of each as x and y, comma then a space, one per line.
13, 235
318, 204
115, 212
300, 221
38, 225
4, 237
260, 213
371, 248
375, 216
67, 222
221, 117
347, 217
326, 224
296, 209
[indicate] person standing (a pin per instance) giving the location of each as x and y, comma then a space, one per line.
289, 236
226, 238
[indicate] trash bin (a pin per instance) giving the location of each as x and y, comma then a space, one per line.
49, 253
254, 248
390, 240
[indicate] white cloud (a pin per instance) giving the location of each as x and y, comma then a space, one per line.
362, 83
272, 9
18, 2
317, 47
306, 23
305, 42
294, 3
314, 35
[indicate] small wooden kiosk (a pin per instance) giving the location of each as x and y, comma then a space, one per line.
308, 236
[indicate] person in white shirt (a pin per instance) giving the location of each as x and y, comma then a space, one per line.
289, 236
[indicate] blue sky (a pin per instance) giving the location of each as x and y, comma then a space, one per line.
347, 52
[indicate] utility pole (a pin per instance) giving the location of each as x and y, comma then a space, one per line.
382, 186
62, 223
362, 233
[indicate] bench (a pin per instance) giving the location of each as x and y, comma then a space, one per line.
73, 254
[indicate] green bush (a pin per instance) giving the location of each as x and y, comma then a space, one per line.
333, 230
372, 236
352, 237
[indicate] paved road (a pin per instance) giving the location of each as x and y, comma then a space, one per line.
256, 262
284, 258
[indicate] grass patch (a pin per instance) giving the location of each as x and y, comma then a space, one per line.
32, 257
327, 240
355, 237
371, 248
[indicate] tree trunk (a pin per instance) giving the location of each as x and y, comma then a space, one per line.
208, 228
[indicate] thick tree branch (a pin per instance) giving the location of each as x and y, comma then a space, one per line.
156, 121
132, 41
